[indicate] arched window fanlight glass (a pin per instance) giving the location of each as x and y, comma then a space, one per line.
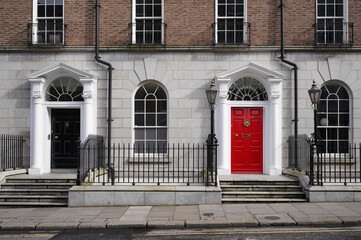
247, 89
65, 89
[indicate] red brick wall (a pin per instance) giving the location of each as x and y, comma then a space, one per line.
14, 17
189, 22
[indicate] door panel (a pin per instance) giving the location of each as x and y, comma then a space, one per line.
65, 138
247, 140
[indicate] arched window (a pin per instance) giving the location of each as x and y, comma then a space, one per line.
65, 89
334, 118
150, 119
247, 89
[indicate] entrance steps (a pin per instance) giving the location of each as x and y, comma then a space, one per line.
45, 190
254, 188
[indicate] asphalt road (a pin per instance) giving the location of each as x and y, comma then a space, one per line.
264, 233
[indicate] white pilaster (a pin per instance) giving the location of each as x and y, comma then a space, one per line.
37, 122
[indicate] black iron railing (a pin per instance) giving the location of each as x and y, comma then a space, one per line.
231, 32
46, 33
331, 32
11, 151
91, 159
147, 32
133, 164
335, 165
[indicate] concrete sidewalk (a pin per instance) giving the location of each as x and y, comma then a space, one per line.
232, 215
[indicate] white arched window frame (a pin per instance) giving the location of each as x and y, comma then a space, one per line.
150, 118
334, 117
64, 89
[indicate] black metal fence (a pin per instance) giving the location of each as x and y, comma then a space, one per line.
132, 164
331, 32
11, 151
91, 159
335, 165
47, 32
231, 32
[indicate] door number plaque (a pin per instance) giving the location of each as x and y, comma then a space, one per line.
246, 123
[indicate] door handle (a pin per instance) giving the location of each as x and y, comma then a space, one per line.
246, 135
236, 135
56, 137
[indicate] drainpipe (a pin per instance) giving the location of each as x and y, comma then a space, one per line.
295, 68
110, 69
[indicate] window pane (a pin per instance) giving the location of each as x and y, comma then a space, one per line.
50, 1
162, 106
330, 10
148, 11
150, 119
139, 133
139, 10
157, 10
41, 1
230, 10
162, 147
139, 146
58, 11
150, 106
150, 134
221, 10
139, 106
332, 120
344, 120
344, 106
150, 146
162, 134
41, 11
140, 93
343, 134
239, 10
332, 106
339, 10
160, 93
139, 120
59, 2
50, 10
321, 10
162, 120
332, 133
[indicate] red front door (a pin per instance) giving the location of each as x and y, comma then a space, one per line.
247, 140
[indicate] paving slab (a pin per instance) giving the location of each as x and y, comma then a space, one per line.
165, 224
57, 225
186, 213
139, 213
274, 220
162, 213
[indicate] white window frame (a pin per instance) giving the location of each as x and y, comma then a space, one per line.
135, 18
350, 116
36, 20
150, 127
245, 33
344, 19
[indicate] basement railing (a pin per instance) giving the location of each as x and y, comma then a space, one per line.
139, 164
11, 151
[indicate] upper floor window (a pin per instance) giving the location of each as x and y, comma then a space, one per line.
231, 26
334, 118
150, 119
332, 26
148, 26
48, 23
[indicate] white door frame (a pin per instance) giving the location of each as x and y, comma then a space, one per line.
40, 112
272, 116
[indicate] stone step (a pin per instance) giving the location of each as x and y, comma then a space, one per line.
261, 200
259, 182
275, 188
33, 204
52, 192
37, 185
33, 198
252, 194
20, 180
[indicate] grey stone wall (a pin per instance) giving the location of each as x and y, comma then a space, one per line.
185, 76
